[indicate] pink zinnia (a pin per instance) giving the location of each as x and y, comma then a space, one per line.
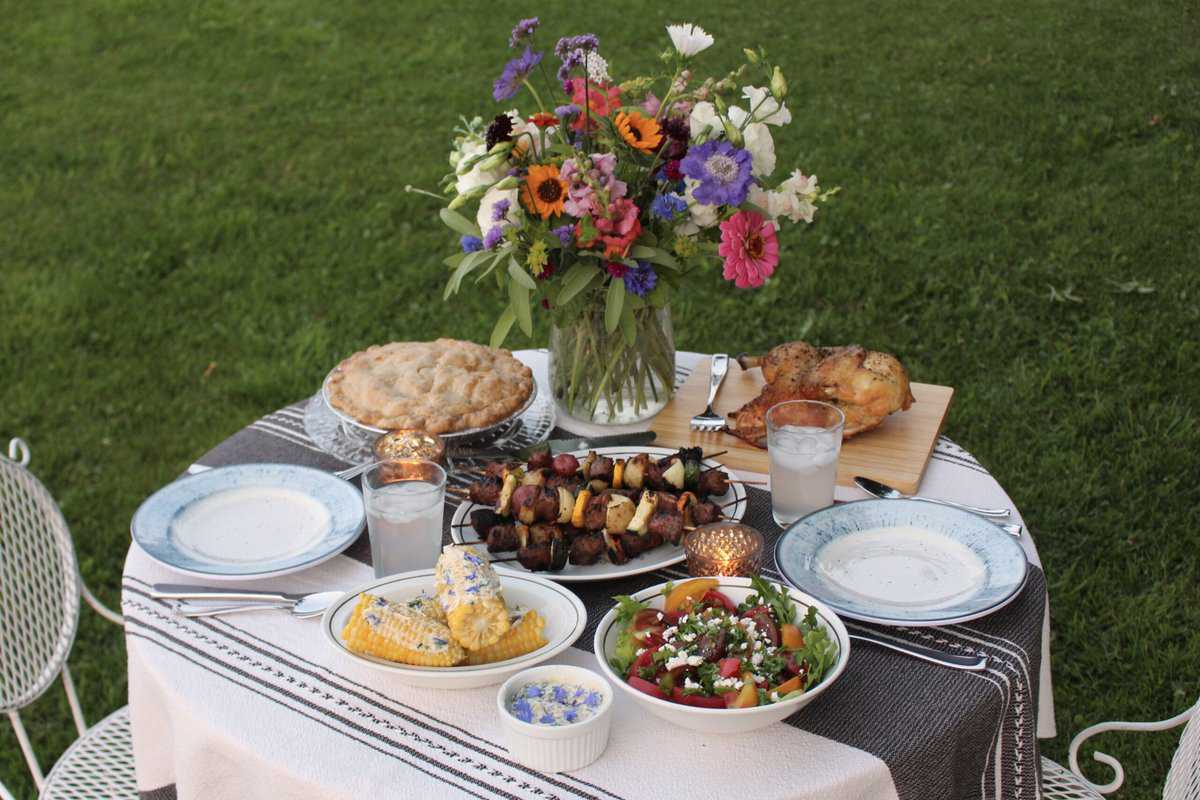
749, 248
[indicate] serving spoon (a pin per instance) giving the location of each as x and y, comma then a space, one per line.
882, 490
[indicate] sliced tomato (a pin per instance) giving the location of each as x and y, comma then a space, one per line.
647, 623
646, 687
698, 700
644, 660
715, 598
728, 667
764, 622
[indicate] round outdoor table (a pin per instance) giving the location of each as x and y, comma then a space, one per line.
258, 705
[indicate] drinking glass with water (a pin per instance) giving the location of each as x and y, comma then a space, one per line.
404, 502
804, 438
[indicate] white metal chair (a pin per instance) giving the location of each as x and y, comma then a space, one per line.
40, 589
1183, 778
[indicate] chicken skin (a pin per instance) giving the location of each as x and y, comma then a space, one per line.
866, 385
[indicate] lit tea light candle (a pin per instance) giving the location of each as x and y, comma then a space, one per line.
724, 548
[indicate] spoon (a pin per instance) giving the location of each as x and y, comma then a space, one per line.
886, 492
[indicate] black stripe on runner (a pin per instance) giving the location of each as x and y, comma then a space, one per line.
306, 671
205, 666
331, 715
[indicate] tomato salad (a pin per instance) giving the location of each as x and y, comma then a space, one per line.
704, 650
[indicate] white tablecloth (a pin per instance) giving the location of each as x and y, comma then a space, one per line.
258, 705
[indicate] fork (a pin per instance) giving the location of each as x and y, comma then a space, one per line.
710, 420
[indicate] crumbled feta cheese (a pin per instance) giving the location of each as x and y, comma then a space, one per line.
756, 659
688, 683
728, 683
683, 620
669, 633
677, 660
640, 650
695, 661
688, 637
659, 616
774, 697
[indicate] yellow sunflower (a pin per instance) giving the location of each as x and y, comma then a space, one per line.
640, 133
544, 192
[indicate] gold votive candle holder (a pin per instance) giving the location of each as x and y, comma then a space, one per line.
724, 548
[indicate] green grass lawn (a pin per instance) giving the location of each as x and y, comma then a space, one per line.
202, 209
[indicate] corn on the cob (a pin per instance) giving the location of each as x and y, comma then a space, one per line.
378, 627
429, 606
468, 590
523, 637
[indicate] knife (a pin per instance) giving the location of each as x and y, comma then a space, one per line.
556, 446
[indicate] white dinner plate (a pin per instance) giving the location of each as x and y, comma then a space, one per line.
604, 570
249, 521
902, 562
563, 611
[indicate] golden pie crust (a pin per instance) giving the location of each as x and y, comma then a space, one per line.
440, 387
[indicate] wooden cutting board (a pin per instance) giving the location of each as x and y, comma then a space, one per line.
896, 452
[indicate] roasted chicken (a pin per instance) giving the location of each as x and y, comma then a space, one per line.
866, 385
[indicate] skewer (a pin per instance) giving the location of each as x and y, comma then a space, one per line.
749, 483
730, 503
714, 455
462, 494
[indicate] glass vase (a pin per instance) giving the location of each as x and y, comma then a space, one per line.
613, 378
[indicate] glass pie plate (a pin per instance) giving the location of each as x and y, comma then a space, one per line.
340, 435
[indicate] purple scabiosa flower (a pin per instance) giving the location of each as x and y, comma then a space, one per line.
567, 111
641, 279
569, 62
569, 44
500, 210
666, 206
722, 170
565, 234
515, 71
470, 244
493, 237
522, 30
499, 130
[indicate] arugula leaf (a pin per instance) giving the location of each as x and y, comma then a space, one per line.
776, 597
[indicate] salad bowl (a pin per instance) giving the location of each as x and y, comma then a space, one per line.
724, 720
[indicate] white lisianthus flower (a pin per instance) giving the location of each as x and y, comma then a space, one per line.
522, 126
699, 214
758, 141
765, 107
689, 39
704, 121
485, 219
803, 191
474, 177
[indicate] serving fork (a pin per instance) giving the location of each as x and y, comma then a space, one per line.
710, 420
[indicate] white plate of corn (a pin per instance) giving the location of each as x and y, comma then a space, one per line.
457, 626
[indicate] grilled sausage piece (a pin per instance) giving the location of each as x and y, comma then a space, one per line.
601, 470
522, 503
535, 557
569, 482
587, 549
668, 526
542, 533
486, 491
495, 469
502, 538
704, 513
483, 520
541, 460
713, 483
545, 505
634, 545
595, 513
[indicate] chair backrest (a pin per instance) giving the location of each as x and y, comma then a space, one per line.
1183, 780
39, 587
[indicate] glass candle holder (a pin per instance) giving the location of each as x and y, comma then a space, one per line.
724, 548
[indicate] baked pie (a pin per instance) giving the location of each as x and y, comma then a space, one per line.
440, 387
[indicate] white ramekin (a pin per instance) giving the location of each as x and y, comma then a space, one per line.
556, 748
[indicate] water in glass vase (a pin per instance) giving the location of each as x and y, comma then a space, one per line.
613, 378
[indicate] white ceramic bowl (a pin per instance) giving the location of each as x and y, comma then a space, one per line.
724, 720
564, 614
559, 748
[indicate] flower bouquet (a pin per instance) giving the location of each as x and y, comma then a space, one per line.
609, 197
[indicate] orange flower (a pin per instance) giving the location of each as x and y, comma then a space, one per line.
640, 133
543, 119
544, 192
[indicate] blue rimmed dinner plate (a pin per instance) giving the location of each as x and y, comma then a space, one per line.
249, 521
902, 562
